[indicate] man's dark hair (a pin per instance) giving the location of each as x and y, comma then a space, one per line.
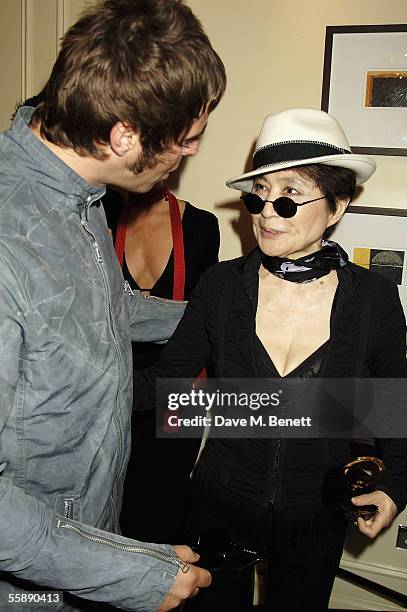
147, 63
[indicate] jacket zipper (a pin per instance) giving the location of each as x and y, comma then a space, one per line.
276, 464
100, 262
127, 288
275, 474
126, 548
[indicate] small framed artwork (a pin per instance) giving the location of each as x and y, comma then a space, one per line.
365, 85
376, 239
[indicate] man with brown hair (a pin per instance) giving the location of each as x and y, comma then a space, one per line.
129, 95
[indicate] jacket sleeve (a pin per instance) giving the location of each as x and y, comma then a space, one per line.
389, 361
153, 319
185, 354
40, 546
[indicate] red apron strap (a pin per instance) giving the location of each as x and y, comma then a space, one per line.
120, 239
177, 238
178, 241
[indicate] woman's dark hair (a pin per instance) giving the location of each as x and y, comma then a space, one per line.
147, 63
334, 182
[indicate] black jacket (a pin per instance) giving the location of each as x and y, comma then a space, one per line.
368, 338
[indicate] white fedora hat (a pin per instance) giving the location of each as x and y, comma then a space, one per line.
298, 137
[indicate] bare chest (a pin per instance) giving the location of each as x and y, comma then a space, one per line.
293, 324
148, 246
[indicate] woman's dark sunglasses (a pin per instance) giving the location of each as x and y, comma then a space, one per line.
284, 207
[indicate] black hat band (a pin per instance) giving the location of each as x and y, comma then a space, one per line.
293, 151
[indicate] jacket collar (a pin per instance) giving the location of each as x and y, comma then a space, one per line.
46, 168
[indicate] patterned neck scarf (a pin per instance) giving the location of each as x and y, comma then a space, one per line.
308, 268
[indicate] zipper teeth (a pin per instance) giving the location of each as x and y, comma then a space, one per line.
127, 288
135, 549
68, 507
100, 265
97, 251
275, 471
120, 446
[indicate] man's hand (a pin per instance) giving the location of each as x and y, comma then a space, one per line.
385, 514
186, 584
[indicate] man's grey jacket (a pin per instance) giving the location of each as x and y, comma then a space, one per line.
66, 388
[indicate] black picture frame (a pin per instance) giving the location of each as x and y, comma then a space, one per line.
376, 238
366, 54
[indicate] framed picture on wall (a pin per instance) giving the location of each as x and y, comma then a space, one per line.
365, 85
376, 238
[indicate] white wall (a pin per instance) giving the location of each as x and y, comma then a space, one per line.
273, 52
30, 31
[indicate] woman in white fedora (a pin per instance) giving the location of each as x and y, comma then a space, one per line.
293, 307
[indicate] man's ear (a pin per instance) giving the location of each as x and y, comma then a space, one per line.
341, 206
123, 139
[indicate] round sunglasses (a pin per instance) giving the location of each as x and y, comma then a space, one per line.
284, 207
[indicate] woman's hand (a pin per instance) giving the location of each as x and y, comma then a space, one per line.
187, 584
386, 511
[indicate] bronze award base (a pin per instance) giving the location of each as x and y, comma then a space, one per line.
359, 476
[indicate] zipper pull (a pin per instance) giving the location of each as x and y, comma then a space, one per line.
83, 216
85, 211
87, 206
183, 565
